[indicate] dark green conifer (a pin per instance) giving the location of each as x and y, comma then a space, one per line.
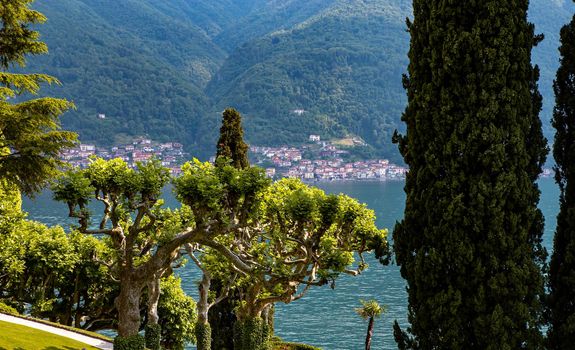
469, 245
30, 137
230, 146
561, 300
231, 143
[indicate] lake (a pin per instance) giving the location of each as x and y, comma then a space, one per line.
326, 317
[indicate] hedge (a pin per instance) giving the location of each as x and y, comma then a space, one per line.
134, 342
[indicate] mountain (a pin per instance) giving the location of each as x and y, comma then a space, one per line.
292, 67
141, 67
343, 67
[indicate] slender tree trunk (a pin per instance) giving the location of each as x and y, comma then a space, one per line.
128, 305
203, 302
369, 334
153, 300
203, 330
153, 331
76, 301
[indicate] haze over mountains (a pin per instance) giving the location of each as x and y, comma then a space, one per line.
168, 68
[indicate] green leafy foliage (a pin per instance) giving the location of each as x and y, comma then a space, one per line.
469, 245
55, 274
561, 334
230, 149
132, 220
10, 207
133, 342
369, 309
6, 309
152, 336
30, 135
177, 313
251, 334
231, 144
292, 346
300, 238
18, 40
215, 193
203, 336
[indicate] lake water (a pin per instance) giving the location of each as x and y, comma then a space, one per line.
326, 317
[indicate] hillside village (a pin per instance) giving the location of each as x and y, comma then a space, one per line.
327, 164
285, 161
170, 154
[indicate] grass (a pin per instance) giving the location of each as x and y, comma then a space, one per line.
17, 337
349, 142
58, 325
279, 344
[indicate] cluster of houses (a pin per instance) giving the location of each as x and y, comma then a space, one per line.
170, 154
337, 169
288, 161
281, 157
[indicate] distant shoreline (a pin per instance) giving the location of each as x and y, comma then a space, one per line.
307, 181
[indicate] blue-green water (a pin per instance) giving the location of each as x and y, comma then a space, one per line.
326, 317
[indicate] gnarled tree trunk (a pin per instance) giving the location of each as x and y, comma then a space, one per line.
128, 305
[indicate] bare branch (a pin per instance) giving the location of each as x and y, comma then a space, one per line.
190, 250
352, 272
107, 206
292, 262
303, 292
144, 209
225, 293
232, 257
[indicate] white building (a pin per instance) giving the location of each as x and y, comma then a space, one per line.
87, 148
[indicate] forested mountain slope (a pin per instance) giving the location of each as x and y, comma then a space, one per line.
343, 67
141, 68
168, 68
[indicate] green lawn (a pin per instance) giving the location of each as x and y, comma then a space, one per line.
17, 337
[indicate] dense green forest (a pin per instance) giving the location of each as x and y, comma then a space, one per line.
168, 68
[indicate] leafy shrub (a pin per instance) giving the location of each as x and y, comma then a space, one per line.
203, 336
134, 342
152, 336
251, 334
5, 309
177, 313
292, 346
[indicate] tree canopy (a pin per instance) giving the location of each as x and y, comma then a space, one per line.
561, 333
30, 135
231, 143
469, 245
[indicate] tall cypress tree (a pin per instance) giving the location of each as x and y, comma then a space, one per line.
231, 143
232, 147
561, 299
469, 245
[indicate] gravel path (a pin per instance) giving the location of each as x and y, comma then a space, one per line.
99, 343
